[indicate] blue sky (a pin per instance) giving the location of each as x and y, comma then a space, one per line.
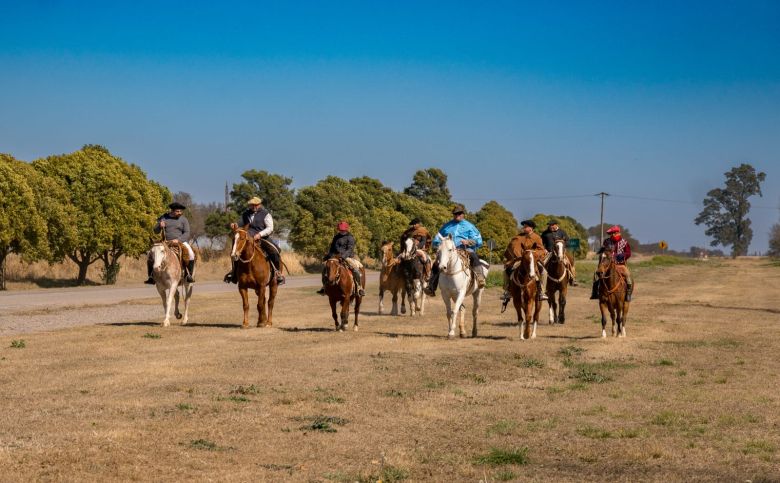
516, 101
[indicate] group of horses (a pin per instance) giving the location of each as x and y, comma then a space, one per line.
405, 277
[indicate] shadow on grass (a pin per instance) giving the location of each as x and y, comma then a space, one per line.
307, 329
726, 307
569, 337
431, 336
174, 323
58, 282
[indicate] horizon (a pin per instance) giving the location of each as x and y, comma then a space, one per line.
537, 107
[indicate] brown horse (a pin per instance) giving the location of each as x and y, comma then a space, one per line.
253, 271
340, 287
612, 295
523, 289
391, 278
557, 281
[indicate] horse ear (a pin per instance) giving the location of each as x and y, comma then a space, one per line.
151, 240
449, 235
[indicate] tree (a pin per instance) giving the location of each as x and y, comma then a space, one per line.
571, 226
596, 230
115, 206
274, 190
774, 241
497, 223
726, 209
217, 225
22, 229
430, 185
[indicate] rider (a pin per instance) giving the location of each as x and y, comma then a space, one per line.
527, 239
422, 240
549, 237
260, 226
466, 237
343, 246
177, 232
619, 248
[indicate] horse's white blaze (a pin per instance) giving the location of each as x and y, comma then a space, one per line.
533, 266
233, 253
559, 249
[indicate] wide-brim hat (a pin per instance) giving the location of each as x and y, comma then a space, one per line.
458, 209
414, 221
528, 223
552, 222
255, 201
177, 206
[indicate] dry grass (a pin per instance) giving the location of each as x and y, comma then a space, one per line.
397, 401
21, 275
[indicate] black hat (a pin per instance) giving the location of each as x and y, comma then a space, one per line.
414, 221
553, 222
458, 209
528, 223
177, 206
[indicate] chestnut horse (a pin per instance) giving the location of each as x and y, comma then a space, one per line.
340, 287
612, 295
523, 289
168, 278
253, 271
391, 278
557, 281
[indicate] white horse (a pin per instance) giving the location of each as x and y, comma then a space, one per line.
456, 282
413, 279
168, 277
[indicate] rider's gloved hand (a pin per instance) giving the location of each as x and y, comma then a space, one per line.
468, 243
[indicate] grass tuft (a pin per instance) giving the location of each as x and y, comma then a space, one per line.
501, 457
245, 390
321, 423
203, 444
150, 335
529, 362
570, 351
18, 344
594, 433
665, 362
503, 427
584, 374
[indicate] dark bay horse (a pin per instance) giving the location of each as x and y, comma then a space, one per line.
523, 287
414, 277
557, 282
340, 288
612, 295
253, 271
391, 278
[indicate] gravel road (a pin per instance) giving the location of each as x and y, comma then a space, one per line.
54, 308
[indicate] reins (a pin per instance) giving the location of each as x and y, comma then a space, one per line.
603, 279
246, 240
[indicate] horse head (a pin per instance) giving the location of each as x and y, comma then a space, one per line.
408, 251
447, 255
528, 264
158, 255
606, 264
559, 249
332, 272
387, 253
242, 243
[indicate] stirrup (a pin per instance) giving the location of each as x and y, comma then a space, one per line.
321, 291
280, 280
149, 281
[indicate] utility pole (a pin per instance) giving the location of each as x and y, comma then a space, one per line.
601, 219
227, 198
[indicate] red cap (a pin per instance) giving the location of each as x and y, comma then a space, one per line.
614, 229
343, 226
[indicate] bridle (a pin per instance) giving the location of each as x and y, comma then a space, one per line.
516, 273
245, 239
326, 278
451, 252
602, 274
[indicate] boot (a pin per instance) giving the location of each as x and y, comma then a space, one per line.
594, 294
629, 288
542, 293
360, 291
231, 277
190, 271
149, 268
480, 279
321, 291
430, 290
573, 279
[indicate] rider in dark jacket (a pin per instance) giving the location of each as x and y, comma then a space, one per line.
343, 246
621, 252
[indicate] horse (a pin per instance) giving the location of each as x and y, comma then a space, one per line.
612, 295
391, 278
339, 286
557, 281
523, 287
168, 276
456, 282
253, 271
414, 277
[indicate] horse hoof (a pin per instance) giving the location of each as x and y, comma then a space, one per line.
166, 323
244, 326
450, 336
355, 328
462, 335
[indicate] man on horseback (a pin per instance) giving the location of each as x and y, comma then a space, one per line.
467, 238
552, 234
527, 239
260, 226
620, 250
343, 246
176, 229
422, 241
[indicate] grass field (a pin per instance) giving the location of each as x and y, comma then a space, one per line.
690, 394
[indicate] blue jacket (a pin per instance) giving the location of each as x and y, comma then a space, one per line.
460, 231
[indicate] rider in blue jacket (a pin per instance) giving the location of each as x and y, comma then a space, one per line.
466, 237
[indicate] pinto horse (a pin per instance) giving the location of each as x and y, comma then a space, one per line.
523, 287
253, 271
168, 277
612, 295
456, 282
414, 277
339, 286
391, 278
557, 282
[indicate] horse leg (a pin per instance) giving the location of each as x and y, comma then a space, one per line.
450, 316
262, 316
271, 300
394, 310
358, 301
333, 302
460, 314
624, 318
422, 301
613, 315
537, 310
381, 300
172, 292
187, 288
562, 306
176, 312
477, 300
404, 297
551, 318
345, 313
245, 300
164, 298
517, 301
604, 312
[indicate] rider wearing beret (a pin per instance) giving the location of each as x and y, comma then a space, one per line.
620, 250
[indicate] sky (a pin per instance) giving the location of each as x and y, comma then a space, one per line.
538, 105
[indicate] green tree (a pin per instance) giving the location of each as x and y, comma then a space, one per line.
726, 209
274, 190
217, 225
497, 223
115, 206
596, 230
774, 241
571, 226
22, 229
430, 185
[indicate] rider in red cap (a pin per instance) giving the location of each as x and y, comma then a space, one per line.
621, 252
343, 246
